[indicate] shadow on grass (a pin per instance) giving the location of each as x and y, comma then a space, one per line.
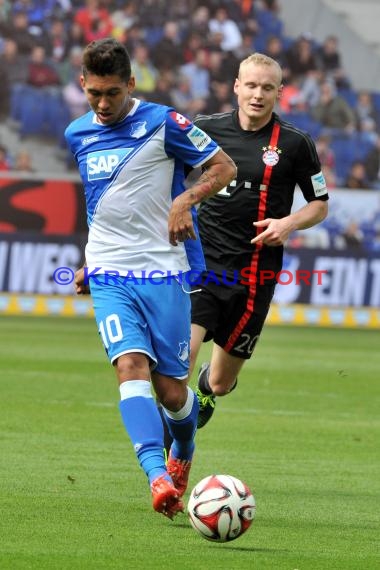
252, 549
231, 545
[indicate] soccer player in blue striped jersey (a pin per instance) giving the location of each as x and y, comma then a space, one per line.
142, 241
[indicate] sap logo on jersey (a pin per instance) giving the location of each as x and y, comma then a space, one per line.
102, 164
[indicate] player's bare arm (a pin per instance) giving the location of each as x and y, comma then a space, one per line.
218, 172
276, 232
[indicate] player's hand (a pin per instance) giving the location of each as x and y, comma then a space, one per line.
180, 222
275, 232
81, 288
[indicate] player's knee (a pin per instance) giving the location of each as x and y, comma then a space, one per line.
174, 397
172, 402
132, 367
220, 388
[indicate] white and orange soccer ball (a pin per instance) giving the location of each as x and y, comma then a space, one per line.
221, 508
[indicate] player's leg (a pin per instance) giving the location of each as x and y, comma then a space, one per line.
179, 403
197, 336
123, 331
221, 375
216, 378
180, 414
211, 312
206, 305
168, 440
144, 427
235, 339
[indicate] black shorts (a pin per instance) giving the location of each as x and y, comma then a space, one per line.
233, 316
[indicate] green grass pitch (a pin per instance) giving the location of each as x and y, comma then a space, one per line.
302, 430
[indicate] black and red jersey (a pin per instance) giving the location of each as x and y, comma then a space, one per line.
271, 162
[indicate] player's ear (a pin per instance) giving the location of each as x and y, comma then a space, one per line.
280, 91
236, 86
131, 84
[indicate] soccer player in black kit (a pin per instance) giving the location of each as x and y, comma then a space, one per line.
243, 228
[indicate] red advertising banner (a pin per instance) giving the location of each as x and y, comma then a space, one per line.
42, 205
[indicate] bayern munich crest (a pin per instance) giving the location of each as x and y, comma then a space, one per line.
271, 155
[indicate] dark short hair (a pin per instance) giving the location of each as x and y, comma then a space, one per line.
107, 57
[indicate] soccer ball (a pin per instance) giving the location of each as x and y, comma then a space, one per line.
221, 508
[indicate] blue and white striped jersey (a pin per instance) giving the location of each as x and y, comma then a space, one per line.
132, 171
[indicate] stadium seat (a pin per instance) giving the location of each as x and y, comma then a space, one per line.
153, 35
349, 95
32, 112
346, 153
269, 23
363, 145
57, 116
303, 121
349, 149
260, 42
16, 101
376, 100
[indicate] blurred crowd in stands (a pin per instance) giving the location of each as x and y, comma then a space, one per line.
185, 54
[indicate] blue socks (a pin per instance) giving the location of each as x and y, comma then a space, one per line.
182, 426
144, 426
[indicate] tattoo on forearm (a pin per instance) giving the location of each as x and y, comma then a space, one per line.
212, 180
205, 185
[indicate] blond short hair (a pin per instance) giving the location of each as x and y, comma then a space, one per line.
261, 59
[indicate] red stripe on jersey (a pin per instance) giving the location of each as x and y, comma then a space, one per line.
255, 256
